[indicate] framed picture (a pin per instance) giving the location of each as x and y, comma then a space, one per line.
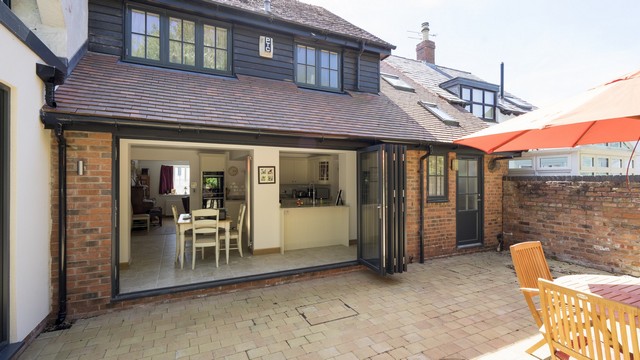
266, 174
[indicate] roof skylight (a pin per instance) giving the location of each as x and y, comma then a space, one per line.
439, 113
397, 83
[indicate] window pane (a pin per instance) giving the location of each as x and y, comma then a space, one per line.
603, 162
221, 38
440, 161
472, 185
466, 94
153, 48
477, 110
209, 36
137, 21
137, 46
311, 56
221, 59
616, 163
334, 79
189, 54
189, 31
473, 168
324, 77
489, 97
433, 186
463, 169
153, 24
311, 75
440, 190
561, 161
468, 108
521, 164
462, 186
462, 202
588, 161
477, 95
488, 112
175, 52
209, 58
324, 59
333, 61
472, 202
301, 73
175, 29
302, 55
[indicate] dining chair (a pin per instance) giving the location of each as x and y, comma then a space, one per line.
205, 232
236, 233
579, 325
530, 265
174, 210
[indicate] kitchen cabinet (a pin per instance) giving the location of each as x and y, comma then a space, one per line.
294, 171
322, 169
212, 162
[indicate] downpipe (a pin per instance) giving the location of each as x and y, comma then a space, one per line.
62, 229
422, 198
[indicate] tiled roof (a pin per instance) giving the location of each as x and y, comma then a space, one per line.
294, 11
431, 76
408, 101
102, 86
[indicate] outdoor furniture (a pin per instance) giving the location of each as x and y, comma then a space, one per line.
205, 232
624, 289
530, 265
583, 325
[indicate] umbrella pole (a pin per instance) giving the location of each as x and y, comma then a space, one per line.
630, 160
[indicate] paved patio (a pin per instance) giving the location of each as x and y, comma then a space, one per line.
462, 307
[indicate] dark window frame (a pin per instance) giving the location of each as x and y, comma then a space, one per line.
482, 103
318, 66
4, 217
164, 61
444, 176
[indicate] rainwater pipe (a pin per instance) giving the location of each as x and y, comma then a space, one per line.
422, 200
62, 227
362, 43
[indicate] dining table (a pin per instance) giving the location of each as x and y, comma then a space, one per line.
624, 289
184, 224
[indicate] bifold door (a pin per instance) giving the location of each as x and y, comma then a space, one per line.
381, 208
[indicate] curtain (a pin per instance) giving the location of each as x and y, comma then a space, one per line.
166, 179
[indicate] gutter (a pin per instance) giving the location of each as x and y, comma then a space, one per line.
421, 230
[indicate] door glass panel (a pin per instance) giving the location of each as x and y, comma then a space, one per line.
462, 185
463, 168
472, 184
473, 168
472, 202
370, 202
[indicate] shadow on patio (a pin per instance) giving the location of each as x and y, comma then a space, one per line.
462, 307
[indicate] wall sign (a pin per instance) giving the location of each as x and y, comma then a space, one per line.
266, 47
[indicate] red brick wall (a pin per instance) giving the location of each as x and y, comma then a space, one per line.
440, 218
589, 221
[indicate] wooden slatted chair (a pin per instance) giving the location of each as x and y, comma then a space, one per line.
585, 326
530, 265
205, 232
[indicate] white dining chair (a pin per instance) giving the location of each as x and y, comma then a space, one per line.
205, 232
236, 233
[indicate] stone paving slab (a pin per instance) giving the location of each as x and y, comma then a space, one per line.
461, 307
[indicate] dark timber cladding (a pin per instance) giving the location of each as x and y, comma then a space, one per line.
105, 26
247, 62
369, 71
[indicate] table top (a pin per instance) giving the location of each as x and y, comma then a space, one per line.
186, 219
624, 289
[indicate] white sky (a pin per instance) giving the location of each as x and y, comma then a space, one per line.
552, 49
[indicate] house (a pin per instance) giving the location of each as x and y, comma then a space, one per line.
276, 107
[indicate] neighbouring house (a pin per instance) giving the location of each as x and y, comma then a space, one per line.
279, 113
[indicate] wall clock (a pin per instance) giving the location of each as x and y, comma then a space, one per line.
233, 171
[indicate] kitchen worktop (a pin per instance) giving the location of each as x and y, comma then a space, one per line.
291, 203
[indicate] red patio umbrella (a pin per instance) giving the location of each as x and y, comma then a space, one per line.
607, 113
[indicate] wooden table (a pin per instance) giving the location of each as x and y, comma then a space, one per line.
184, 224
624, 289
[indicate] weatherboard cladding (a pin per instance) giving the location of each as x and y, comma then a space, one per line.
102, 86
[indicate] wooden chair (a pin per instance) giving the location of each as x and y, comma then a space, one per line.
583, 326
530, 265
205, 232
236, 233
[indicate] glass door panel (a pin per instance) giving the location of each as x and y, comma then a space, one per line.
370, 235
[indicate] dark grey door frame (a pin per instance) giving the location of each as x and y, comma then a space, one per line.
4, 218
469, 201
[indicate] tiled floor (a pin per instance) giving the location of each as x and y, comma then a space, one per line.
153, 264
463, 307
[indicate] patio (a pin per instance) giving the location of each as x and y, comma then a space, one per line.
462, 307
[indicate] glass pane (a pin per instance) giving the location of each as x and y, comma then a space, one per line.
137, 46
333, 79
440, 160
432, 165
603, 162
153, 24
137, 21
311, 56
189, 31
221, 60
587, 161
209, 36
324, 77
462, 186
324, 59
369, 210
616, 163
473, 167
333, 61
302, 55
462, 202
189, 54
311, 75
175, 29
433, 186
153, 48
477, 95
472, 184
477, 110
472, 202
489, 97
209, 58
175, 52
468, 108
488, 112
466, 94
221, 38
301, 73
463, 169
554, 162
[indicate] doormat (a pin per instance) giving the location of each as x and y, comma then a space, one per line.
326, 311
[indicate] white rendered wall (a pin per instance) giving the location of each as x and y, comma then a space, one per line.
30, 195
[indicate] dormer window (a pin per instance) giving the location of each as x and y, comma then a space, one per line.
317, 68
481, 103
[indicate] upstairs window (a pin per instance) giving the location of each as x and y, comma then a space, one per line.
482, 103
318, 68
166, 39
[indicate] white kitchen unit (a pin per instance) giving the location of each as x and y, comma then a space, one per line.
314, 226
294, 171
212, 162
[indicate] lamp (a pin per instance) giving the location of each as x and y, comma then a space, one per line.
454, 164
80, 167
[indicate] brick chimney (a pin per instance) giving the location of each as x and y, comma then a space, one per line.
426, 49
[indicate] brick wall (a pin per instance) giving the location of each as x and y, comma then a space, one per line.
440, 218
592, 221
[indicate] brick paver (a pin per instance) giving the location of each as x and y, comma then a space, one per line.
461, 307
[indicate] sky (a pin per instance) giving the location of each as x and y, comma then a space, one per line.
551, 49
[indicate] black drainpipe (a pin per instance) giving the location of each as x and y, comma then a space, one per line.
362, 42
62, 226
422, 159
